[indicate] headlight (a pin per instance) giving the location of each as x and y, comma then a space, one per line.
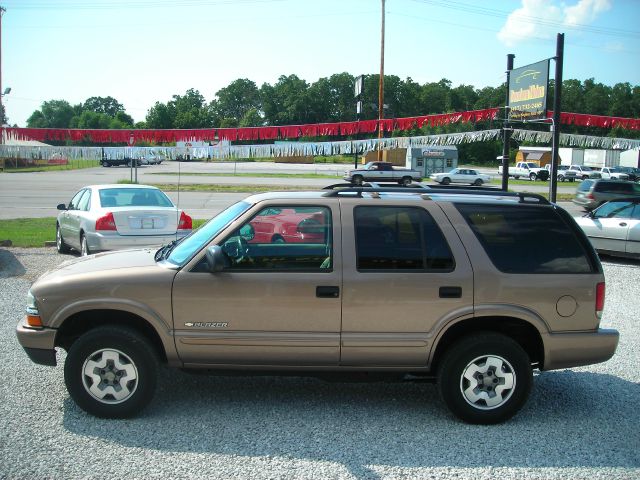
33, 315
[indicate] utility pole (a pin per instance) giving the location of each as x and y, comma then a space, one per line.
506, 130
2, 10
555, 139
381, 88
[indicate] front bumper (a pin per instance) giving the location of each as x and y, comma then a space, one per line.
566, 350
39, 344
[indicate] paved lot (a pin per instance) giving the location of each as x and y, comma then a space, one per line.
581, 423
28, 195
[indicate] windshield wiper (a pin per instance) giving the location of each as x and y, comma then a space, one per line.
166, 250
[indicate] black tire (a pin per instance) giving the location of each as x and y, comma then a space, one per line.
111, 354
561, 178
533, 177
478, 182
106, 164
471, 355
357, 180
516, 177
446, 181
60, 245
406, 181
84, 246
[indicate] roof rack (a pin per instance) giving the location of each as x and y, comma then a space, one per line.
426, 190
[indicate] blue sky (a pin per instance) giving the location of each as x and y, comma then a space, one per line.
143, 51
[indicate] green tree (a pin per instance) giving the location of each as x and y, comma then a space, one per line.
236, 99
52, 114
285, 103
161, 115
107, 105
251, 118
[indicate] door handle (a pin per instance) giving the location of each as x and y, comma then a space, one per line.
623, 224
450, 292
327, 292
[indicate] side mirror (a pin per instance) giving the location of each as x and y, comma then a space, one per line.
61, 206
216, 259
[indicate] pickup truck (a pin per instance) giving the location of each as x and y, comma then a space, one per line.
116, 162
382, 172
613, 173
564, 174
529, 170
585, 172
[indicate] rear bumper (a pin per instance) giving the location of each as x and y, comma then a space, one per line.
565, 350
103, 241
39, 344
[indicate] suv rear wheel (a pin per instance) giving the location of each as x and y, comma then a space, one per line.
111, 372
485, 378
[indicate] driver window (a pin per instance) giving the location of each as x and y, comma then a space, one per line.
283, 238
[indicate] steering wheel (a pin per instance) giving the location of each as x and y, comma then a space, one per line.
236, 248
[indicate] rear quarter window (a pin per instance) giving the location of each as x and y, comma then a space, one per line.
523, 239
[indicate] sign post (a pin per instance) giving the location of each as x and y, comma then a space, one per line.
133, 162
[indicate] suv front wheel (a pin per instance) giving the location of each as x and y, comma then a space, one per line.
485, 378
111, 372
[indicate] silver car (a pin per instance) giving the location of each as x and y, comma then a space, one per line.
115, 217
614, 227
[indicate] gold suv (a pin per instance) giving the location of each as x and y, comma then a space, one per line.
475, 288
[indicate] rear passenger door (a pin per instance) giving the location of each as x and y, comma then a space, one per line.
405, 274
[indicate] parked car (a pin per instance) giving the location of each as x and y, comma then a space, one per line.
614, 227
530, 170
585, 172
613, 173
390, 287
382, 172
632, 172
564, 174
112, 217
593, 193
286, 225
461, 175
117, 162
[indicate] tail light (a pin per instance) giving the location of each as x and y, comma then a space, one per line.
185, 222
599, 299
590, 196
106, 222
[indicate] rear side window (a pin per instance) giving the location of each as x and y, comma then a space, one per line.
617, 187
400, 238
523, 239
585, 185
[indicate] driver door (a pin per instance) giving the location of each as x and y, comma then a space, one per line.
277, 302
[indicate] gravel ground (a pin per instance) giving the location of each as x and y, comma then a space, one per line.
582, 423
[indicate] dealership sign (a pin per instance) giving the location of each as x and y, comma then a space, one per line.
528, 91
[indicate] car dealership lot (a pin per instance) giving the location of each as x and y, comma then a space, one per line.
579, 423
36, 194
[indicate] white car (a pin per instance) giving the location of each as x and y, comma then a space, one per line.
461, 175
614, 227
115, 217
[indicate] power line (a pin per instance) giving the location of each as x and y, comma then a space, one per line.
491, 12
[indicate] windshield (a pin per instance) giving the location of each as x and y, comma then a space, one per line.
586, 169
193, 243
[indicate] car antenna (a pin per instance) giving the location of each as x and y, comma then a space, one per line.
178, 202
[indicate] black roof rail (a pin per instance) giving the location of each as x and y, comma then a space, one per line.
335, 190
524, 197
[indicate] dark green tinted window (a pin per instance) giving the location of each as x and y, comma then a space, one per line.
521, 239
399, 238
